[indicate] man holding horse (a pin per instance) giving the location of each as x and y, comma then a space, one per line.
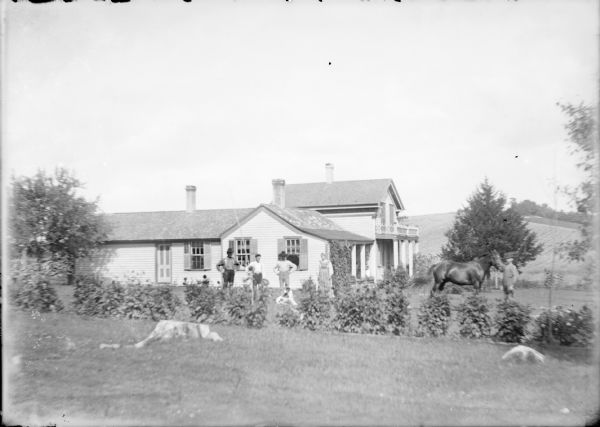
509, 278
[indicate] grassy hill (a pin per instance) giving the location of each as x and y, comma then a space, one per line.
434, 226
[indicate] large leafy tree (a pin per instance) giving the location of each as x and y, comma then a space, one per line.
486, 224
582, 135
49, 221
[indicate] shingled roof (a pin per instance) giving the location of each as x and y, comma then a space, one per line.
339, 193
312, 222
172, 225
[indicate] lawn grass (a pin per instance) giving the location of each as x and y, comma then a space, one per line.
275, 375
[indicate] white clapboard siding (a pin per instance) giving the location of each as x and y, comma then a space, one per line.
116, 261
267, 230
179, 273
359, 223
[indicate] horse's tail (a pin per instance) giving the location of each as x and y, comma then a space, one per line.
419, 282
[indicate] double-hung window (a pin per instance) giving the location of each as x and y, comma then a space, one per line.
242, 251
196, 255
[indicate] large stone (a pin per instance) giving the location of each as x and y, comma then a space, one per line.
168, 329
523, 353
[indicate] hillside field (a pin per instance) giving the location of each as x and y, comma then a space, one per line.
432, 229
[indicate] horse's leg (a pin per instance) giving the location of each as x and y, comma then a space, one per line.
441, 285
436, 286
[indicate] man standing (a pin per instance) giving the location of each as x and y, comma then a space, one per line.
509, 278
227, 267
283, 268
257, 271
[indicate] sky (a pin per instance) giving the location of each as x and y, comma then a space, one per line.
140, 99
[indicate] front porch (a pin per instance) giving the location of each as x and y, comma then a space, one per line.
394, 246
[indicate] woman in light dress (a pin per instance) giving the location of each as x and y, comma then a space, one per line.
325, 274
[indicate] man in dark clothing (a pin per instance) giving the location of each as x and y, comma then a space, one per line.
227, 267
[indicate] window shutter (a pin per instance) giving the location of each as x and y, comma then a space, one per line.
303, 254
280, 246
253, 249
186, 256
207, 255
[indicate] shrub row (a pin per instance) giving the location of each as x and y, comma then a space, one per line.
126, 301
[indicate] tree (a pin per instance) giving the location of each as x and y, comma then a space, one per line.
486, 224
582, 135
49, 221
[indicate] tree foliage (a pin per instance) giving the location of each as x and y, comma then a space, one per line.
582, 135
486, 224
48, 220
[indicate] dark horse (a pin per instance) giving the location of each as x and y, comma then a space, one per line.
464, 273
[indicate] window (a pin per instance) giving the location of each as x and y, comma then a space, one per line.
242, 251
296, 250
292, 246
197, 255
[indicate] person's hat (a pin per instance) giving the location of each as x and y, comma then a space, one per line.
257, 255
509, 259
229, 251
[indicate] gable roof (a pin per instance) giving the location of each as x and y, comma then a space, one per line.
314, 223
340, 193
172, 225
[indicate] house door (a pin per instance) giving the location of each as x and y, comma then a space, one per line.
163, 264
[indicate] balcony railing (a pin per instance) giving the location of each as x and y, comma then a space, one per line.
396, 229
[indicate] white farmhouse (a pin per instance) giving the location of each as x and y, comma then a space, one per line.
168, 246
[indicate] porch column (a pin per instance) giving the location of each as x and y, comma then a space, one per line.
416, 248
373, 259
403, 253
410, 258
353, 262
363, 264
395, 243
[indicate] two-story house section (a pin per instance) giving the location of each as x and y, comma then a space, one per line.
366, 207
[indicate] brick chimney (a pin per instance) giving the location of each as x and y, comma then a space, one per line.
190, 191
279, 192
328, 173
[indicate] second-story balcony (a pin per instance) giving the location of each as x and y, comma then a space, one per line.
400, 230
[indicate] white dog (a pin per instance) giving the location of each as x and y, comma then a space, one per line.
522, 352
287, 298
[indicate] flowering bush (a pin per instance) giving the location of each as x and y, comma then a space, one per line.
288, 318
361, 310
314, 307
203, 302
473, 317
569, 327
511, 321
434, 316
30, 289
